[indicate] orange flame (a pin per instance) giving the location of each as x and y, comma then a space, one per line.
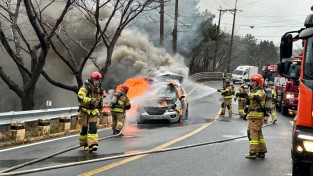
163, 104
137, 86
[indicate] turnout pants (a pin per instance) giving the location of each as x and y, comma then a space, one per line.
118, 119
255, 136
273, 112
241, 107
227, 103
88, 135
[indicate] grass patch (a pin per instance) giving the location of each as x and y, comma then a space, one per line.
31, 129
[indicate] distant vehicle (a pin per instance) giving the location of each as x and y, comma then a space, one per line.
269, 73
164, 101
242, 73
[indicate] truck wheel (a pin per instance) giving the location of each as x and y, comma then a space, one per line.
284, 110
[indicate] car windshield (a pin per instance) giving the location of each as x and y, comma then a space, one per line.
238, 72
308, 63
271, 76
163, 90
294, 71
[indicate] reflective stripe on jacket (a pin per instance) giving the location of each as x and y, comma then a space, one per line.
84, 98
256, 105
121, 103
239, 91
227, 92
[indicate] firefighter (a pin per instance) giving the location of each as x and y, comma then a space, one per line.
241, 101
119, 104
227, 93
91, 103
224, 76
274, 100
256, 117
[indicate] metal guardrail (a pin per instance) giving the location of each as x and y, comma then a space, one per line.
208, 76
33, 115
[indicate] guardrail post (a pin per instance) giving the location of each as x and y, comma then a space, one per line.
43, 127
17, 131
65, 123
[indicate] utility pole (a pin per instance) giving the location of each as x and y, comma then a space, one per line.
174, 33
218, 40
231, 39
162, 23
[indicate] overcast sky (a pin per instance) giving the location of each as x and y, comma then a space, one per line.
270, 19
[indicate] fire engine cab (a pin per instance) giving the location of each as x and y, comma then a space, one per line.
302, 135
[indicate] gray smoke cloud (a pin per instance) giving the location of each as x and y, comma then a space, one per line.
134, 55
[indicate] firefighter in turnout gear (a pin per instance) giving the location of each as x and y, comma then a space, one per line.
91, 103
227, 93
255, 117
224, 76
241, 101
119, 104
274, 100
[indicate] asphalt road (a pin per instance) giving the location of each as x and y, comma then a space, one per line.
226, 158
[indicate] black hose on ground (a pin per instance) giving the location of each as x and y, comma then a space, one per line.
51, 155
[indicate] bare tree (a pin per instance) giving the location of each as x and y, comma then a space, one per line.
106, 20
20, 49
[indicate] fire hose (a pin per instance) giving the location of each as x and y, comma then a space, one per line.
7, 171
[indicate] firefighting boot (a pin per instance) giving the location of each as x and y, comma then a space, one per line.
251, 156
261, 155
115, 132
93, 147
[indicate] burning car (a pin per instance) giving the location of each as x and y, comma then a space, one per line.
164, 101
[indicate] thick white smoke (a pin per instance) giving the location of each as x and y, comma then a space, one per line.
134, 55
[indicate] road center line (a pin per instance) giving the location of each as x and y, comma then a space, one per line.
104, 168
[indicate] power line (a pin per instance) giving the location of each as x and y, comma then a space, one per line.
251, 3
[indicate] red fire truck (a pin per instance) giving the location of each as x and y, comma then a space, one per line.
302, 136
288, 88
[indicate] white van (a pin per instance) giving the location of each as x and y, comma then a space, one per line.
243, 73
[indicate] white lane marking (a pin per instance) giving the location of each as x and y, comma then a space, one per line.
42, 142
291, 123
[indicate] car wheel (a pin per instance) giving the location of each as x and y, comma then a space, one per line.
299, 169
139, 120
185, 115
179, 119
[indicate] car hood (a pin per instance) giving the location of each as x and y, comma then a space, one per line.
160, 102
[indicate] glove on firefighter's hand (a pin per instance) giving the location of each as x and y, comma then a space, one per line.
243, 95
128, 107
94, 102
218, 90
235, 99
246, 110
